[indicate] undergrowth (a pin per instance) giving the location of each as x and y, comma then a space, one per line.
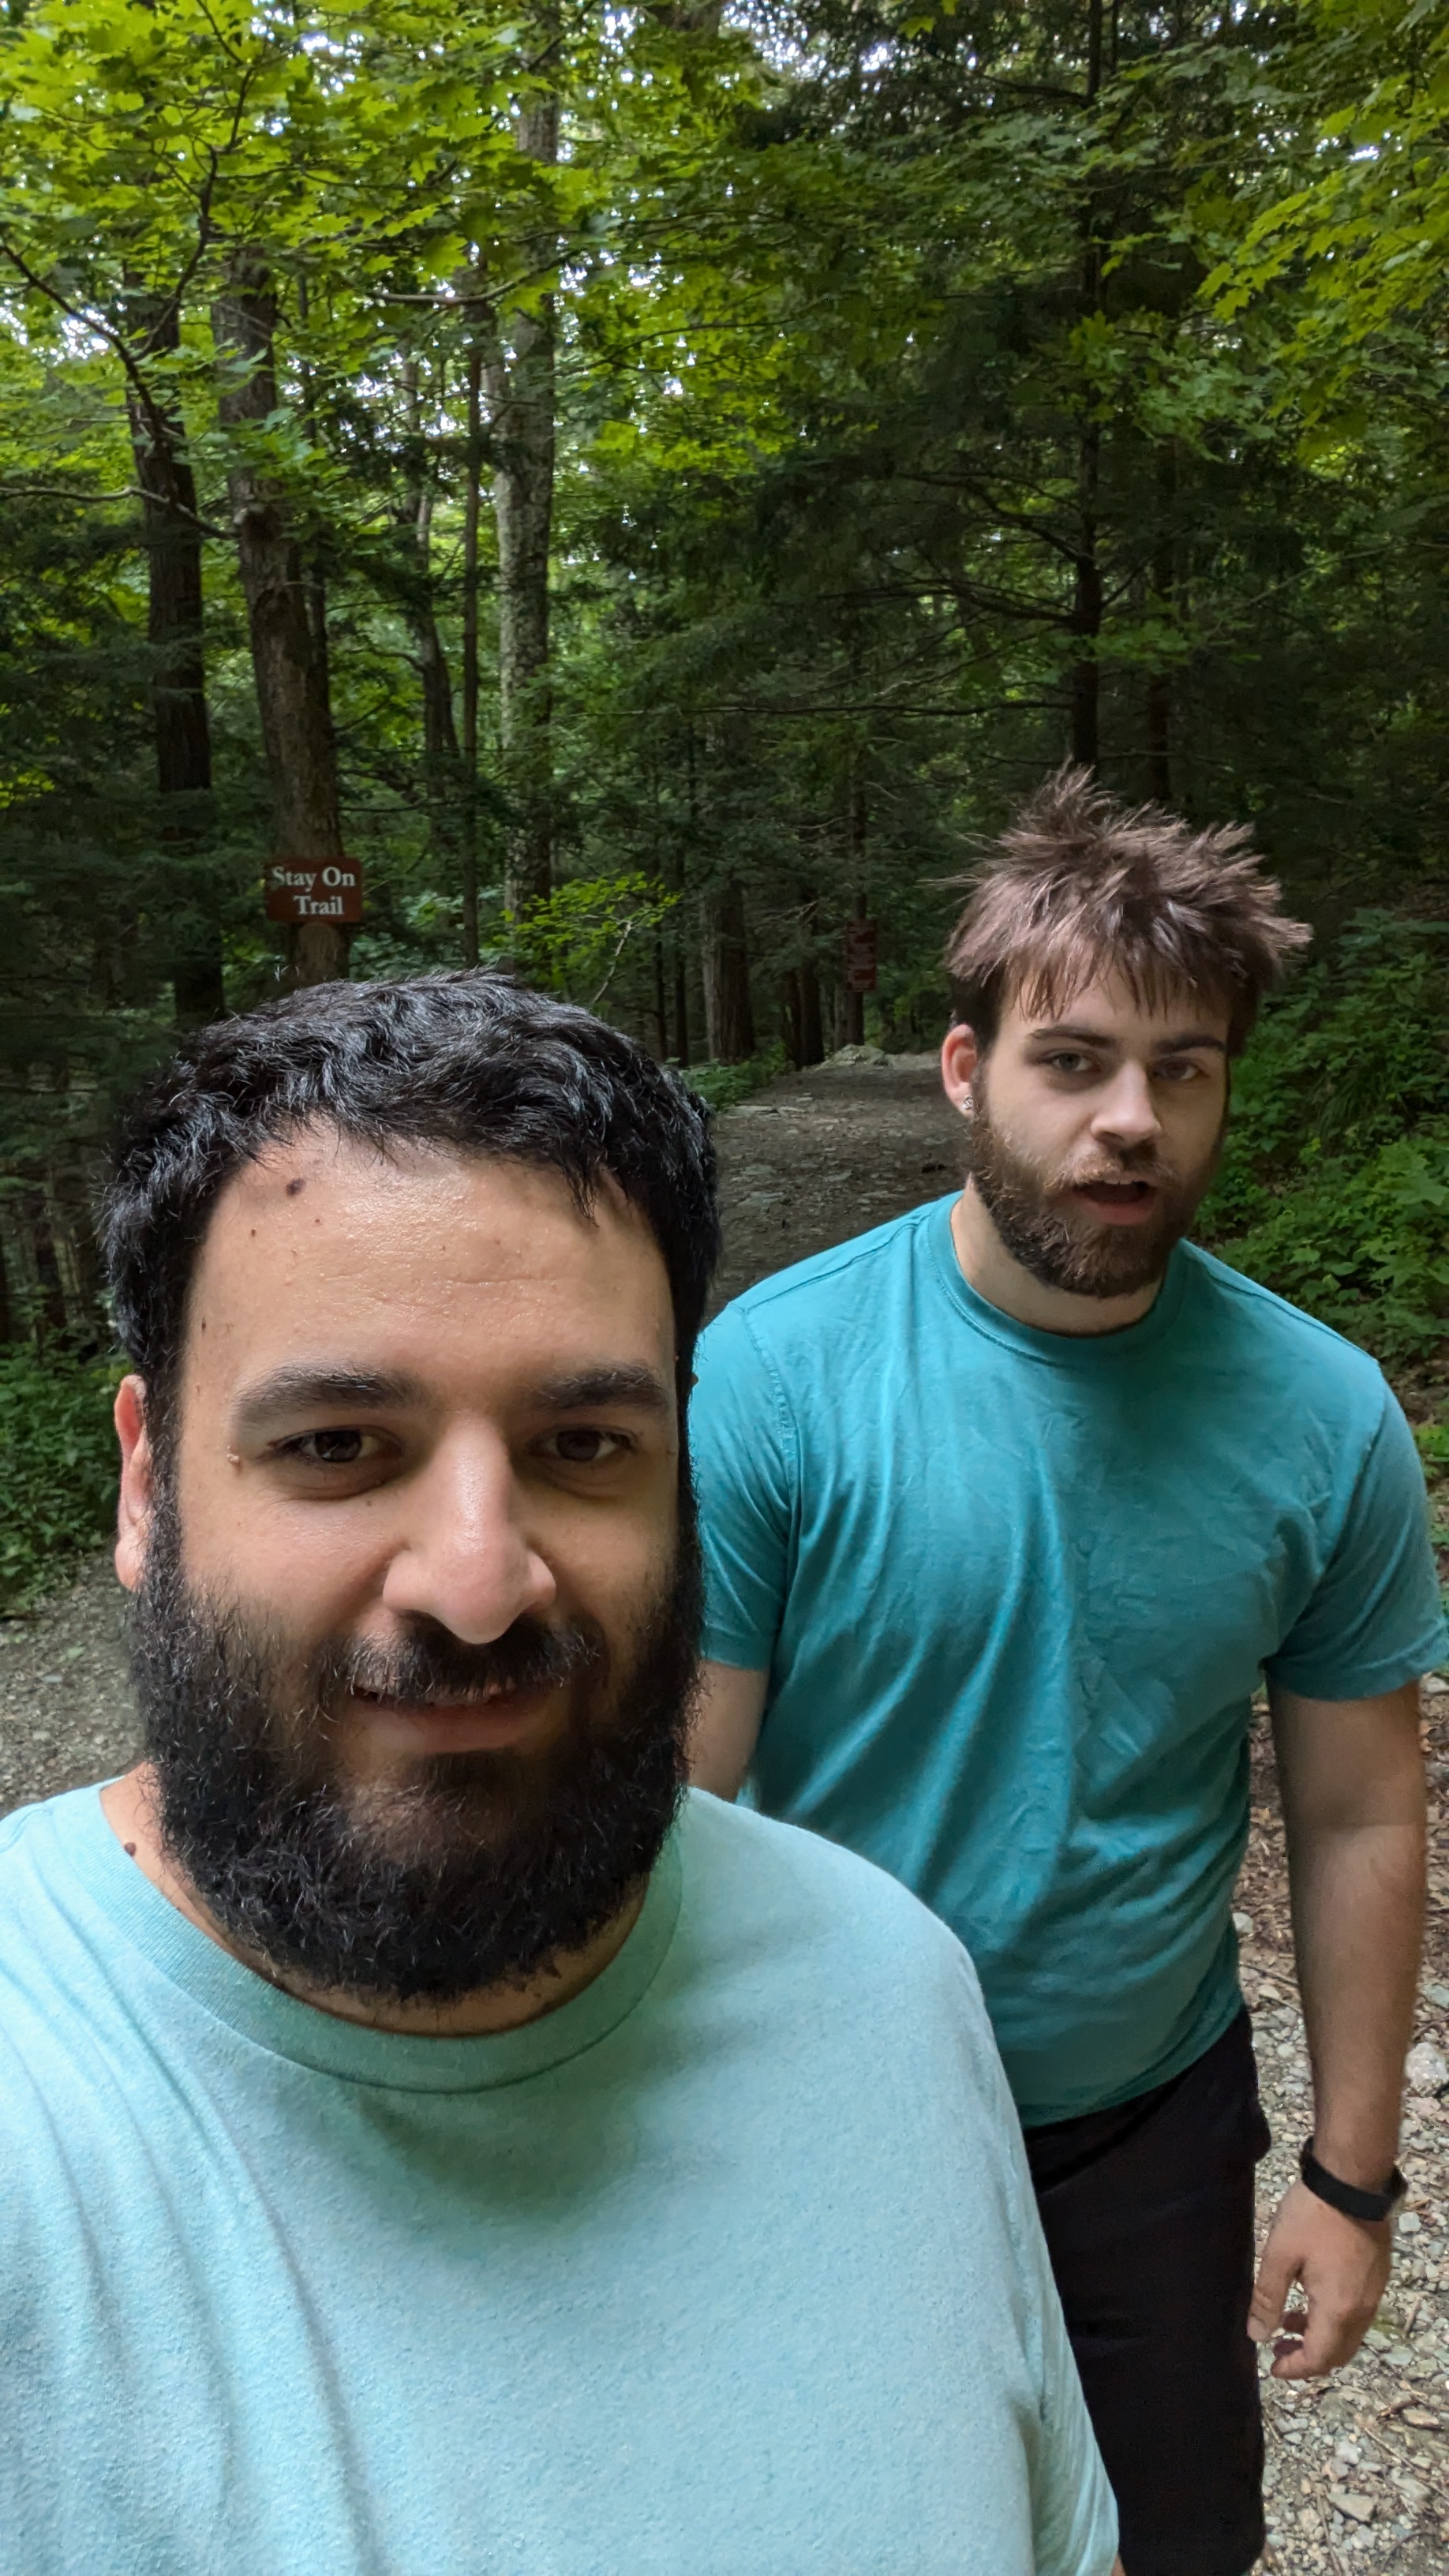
724, 1086
1335, 1184
57, 1467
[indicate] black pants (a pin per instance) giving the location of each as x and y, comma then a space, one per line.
1148, 2213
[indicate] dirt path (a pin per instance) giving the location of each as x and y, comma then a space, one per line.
1358, 2469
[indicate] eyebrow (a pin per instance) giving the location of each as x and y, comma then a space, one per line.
1180, 1043
632, 1385
300, 1388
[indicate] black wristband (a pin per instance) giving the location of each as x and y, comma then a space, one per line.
1347, 2197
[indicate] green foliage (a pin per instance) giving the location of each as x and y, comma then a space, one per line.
57, 1468
1365, 1246
724, 1086
575, 941
1335, 1185
1433, 1442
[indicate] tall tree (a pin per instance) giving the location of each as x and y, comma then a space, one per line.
288, 655
174, 536
522, 394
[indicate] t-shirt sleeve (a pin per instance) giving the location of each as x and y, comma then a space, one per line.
1375, 1619
742, 1444
1074, 2513
1073, 2510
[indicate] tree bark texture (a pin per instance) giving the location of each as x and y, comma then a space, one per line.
522, 394
681, 1005
855, 850
472, 504
415, 527
1086, 614
729, 1018
173, 540
288, 656
1159, 685
1085, 620
803, 1026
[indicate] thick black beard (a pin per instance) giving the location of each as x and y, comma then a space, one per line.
474, 1870
1066, 1251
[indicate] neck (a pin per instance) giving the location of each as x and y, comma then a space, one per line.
131, 1810
992, 1271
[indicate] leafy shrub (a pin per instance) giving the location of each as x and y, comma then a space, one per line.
575, 940
57, 1467
1335, 1185
1363, 1245
723, 1086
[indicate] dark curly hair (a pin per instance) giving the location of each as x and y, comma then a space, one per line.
469, 1061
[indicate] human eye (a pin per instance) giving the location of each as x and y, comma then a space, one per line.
585, 1445
338, 1445
1068, 1061
1180, 1069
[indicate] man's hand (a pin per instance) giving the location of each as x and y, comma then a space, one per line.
1342, 2265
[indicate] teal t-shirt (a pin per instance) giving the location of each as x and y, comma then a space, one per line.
728, 2267
1013, 1590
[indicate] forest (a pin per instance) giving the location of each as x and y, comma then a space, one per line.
634, 494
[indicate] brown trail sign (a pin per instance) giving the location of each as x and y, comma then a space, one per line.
314, 890
862, 951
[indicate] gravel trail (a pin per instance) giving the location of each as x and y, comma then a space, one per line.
1358, 2467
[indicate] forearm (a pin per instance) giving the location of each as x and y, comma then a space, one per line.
1358, 1912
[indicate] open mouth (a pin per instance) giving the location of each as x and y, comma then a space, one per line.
1118, 1202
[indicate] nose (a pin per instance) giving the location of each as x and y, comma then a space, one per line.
466, 1560
1126, 1115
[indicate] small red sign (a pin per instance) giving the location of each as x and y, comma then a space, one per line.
314, 890
862, 954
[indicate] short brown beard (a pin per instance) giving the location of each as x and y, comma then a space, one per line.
1059, 1245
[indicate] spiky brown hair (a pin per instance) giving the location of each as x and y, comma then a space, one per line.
1081, 885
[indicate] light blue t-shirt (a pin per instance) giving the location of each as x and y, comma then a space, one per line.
1013, 1590
728, 2267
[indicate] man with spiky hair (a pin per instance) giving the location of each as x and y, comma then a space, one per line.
1007, 1506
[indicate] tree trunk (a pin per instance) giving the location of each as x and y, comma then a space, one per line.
681, 1005
1159, 738
855, 849
172, 537
1085, 621
809, 1046
521, 393
1159, 686
440, 734
472, 505
288, 655
1086, 616
812, 1030
807, 976
728, 1012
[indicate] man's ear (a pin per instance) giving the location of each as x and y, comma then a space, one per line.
960, 1058
138, 1487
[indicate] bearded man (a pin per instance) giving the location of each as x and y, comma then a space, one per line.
1006, 1507
423, 2148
